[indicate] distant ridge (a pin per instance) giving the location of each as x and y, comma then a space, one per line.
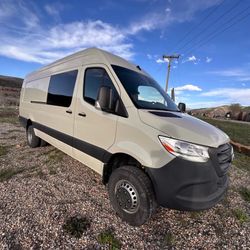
226, 108
11, 82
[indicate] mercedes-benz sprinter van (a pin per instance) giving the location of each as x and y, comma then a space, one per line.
114, 118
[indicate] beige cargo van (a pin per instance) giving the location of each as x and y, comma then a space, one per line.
114, 118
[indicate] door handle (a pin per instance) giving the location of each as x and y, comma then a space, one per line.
82, 114
69, 111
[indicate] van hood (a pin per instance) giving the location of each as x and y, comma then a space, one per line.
184, 127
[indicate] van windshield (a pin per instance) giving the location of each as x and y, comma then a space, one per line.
144, 92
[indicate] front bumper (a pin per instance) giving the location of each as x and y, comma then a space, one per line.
186, 185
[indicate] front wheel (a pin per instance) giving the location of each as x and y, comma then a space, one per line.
131, 195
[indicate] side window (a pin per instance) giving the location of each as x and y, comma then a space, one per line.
61, 87
94, 78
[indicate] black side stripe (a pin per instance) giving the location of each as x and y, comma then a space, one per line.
87, 148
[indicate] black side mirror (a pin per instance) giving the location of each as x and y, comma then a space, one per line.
182, 107
104, 99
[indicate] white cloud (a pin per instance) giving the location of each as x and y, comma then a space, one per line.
228, 72
149, 22
230, 95
83, 34
213, 98
6, 9
162, 35
234, 93
54, 10
149, 56
188, 8
19, 12
244, 78
50, 9
160, 61
61, 40
239, 74
188, 87
208, 59
24, 37
191, 59
164, 17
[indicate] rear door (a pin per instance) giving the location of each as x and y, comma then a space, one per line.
54, 119
94, 130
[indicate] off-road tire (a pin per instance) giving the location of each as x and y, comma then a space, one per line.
144, 189
32, 140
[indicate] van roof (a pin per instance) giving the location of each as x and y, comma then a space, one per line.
87, 56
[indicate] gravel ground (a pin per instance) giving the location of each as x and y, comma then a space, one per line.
50, 201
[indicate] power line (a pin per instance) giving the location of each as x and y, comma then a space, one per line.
198, 25
211, 33
219, 32
210, 25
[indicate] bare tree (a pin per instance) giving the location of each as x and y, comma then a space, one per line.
235, 108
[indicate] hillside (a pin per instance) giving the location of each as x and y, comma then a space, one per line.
224, 107
233, 111
10, 90
11, 82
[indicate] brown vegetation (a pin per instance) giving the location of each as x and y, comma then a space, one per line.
10, 91
234, 112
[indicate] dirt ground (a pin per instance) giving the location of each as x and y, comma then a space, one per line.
50, 201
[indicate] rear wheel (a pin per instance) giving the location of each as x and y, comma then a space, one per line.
43, 143
131, 195
32, 139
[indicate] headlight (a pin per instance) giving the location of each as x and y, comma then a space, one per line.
185, 150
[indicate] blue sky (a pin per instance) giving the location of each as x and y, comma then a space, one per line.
34, 33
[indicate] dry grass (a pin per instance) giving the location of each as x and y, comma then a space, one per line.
237, 132
54, 202
8, 173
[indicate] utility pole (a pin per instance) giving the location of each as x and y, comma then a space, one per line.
172, 94
170, 58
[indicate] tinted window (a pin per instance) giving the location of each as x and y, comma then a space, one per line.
94, 78
61, 87
144, 91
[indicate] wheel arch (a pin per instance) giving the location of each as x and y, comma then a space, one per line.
117, 160
28, 123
